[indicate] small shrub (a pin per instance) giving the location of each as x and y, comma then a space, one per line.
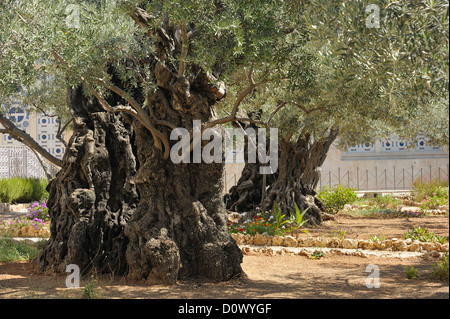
426, 190
89, 291
317, 254
441, 269
434, 201
386, 202
335, 200
411, 272
255, 224
22, 190
259, 225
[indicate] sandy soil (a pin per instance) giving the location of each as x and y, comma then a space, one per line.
280, 276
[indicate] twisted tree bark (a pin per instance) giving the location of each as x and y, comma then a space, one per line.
179, 228
299, 173
118, 205
93, 195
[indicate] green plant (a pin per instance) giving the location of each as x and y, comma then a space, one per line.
39, 211
334, 201
22, 190
279, 218
434, 201
89, 291
379, 237
441, 269
259, 225
411, 272
317, 254
9, 226
12, 250
422, 190
297, 221
424, 235
386, 202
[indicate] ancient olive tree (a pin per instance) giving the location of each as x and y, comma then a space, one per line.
135, 72
370, 72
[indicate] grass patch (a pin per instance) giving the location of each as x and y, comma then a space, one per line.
376, 212
22, 190
423, 191
13, 250
440, 269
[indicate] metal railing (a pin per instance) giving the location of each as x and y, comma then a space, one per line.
386, 179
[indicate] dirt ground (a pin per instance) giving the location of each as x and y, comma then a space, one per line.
281, 276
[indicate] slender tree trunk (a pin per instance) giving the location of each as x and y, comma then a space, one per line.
299, 173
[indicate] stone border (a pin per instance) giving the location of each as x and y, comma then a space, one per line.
322, 242
309, 251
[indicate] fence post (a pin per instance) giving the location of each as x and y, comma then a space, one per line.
348, 178
404, 178
9, 163
395, 182
25, 163
329, 180
376, 178
357, 177
367, 179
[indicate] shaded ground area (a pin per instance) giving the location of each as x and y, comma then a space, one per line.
267, 277
279, 276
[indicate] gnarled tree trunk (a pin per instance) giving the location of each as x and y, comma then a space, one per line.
93, 195
118, 205
179, 228
299, 173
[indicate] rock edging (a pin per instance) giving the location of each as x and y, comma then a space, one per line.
347, 243
31, 232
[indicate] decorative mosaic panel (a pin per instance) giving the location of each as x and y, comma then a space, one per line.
46, 131
393, 144
21, 119
422, 145
362, 148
